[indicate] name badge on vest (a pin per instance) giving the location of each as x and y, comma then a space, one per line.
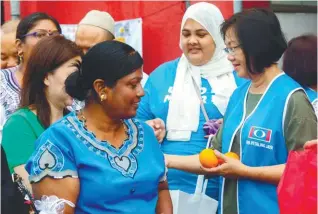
259, 137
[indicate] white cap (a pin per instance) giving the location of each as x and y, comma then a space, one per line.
99, 19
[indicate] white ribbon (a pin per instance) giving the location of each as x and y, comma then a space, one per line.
51, 205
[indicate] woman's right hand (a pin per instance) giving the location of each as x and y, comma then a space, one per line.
231, 168
159, 128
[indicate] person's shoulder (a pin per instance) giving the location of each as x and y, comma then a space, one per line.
299, 97
4, 73
57, 133
163, 76
239, 80
146, 133
137, 122
7, 80
62, 123
8, 71
25, 112
18, 117
143, 125
165, 68
300, 106
241, 88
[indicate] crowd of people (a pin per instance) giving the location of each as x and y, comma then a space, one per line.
88, 132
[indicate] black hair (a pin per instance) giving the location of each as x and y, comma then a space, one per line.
259, 35
28, 22
109, 61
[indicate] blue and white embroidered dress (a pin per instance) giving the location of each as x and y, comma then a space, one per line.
123, 180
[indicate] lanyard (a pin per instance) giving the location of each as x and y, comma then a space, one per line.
206, 117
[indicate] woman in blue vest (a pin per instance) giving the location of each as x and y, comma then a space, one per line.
300, 63
265, 118
171, 95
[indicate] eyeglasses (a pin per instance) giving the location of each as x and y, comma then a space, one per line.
232, 49
41, 34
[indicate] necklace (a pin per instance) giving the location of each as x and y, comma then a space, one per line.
83, 119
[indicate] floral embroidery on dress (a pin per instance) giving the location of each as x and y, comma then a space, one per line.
122, 159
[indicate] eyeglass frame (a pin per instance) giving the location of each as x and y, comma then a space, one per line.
34, 34
232, 50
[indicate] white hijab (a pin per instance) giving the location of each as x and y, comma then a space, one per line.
184, 107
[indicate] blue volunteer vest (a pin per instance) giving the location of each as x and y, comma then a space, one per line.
262, 141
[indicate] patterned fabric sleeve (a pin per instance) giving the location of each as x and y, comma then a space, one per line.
53, 157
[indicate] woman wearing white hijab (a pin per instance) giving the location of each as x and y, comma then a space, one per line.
171, 95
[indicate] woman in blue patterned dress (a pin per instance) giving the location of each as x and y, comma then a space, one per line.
100, 160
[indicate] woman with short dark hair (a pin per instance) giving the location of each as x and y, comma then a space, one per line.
43, 98
300, 63
265, 118
99, 159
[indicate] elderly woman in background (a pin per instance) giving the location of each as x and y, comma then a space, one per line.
9, 54
300, 62
99, 158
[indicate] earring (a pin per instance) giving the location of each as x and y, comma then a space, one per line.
102, 97
20, 57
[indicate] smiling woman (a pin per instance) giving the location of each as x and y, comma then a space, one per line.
9, 56
174, 89
102, 144
196, 42
43, 99
30, 30
265, 119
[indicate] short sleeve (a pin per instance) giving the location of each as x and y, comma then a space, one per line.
315, 105
300, 121
53, 157
18, 141
144, 112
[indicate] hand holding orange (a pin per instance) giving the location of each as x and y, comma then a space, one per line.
230, 155
208, 159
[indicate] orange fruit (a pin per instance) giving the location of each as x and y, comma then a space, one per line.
230, 155
208, 159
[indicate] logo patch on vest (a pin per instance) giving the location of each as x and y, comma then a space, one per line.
261, 134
